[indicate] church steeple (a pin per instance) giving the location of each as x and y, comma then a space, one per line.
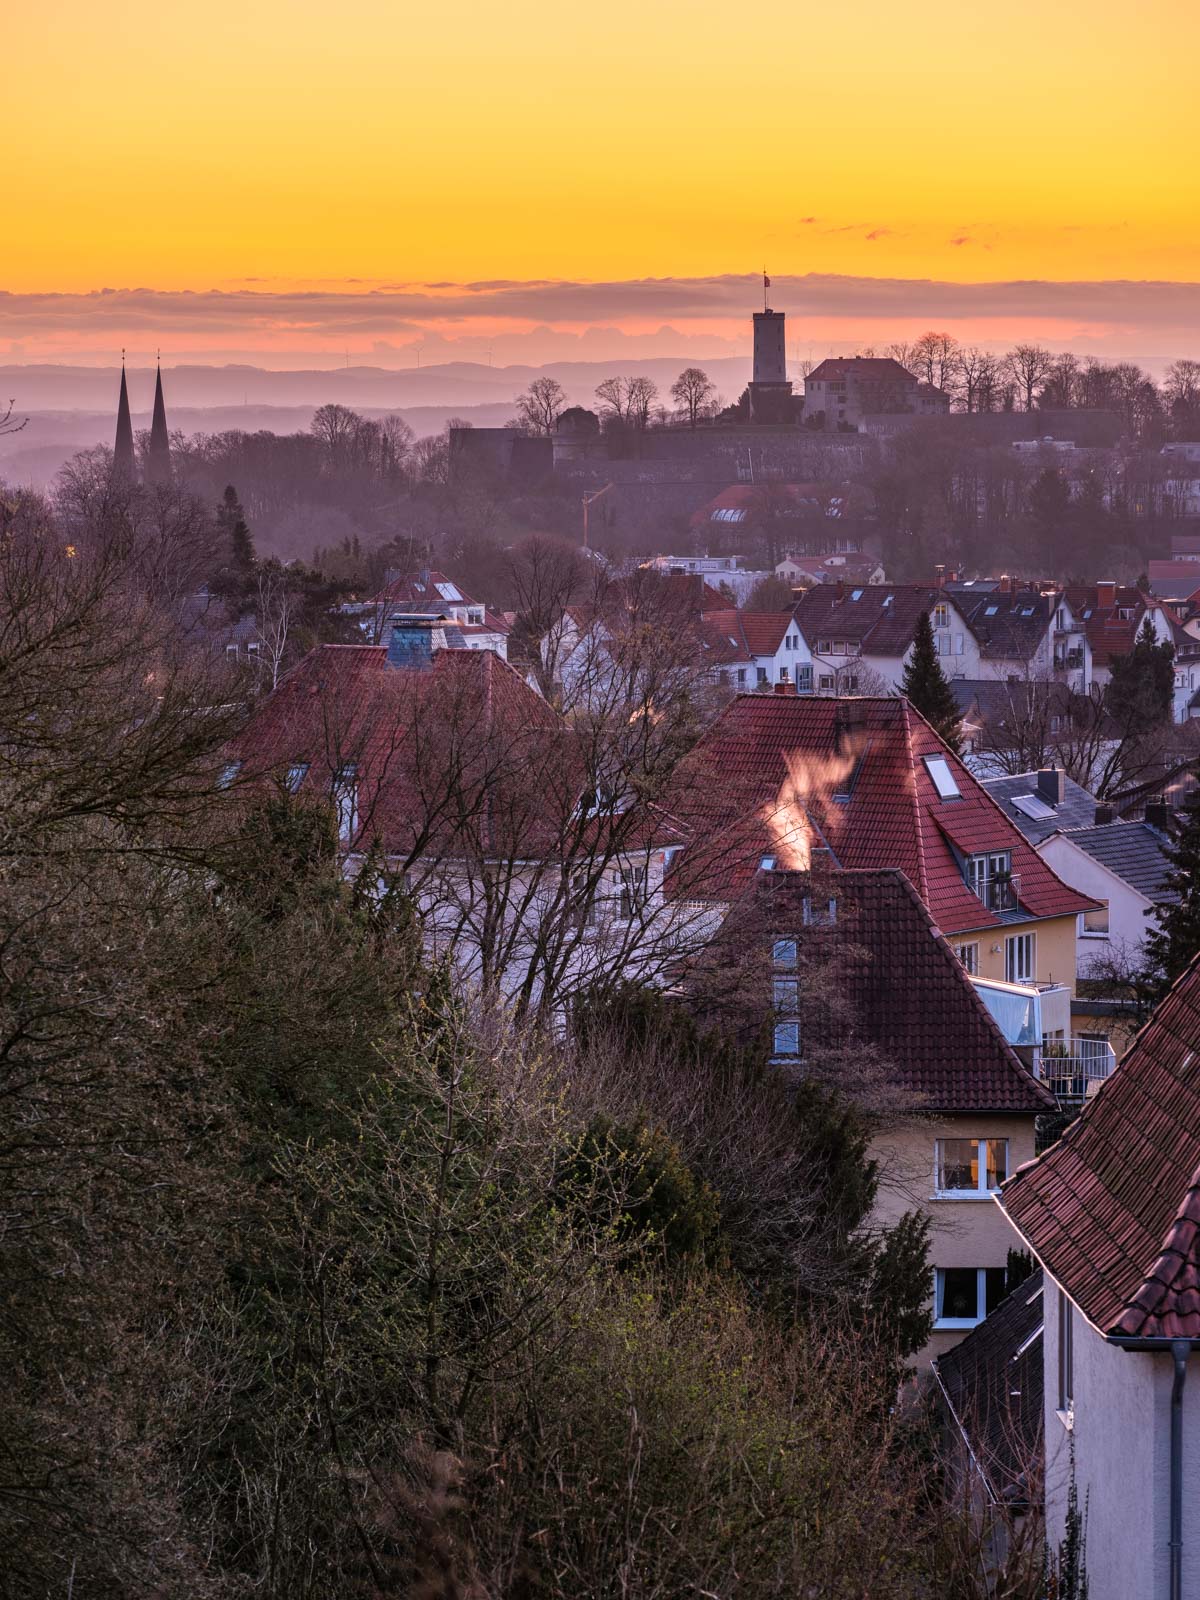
123, 461
158, 460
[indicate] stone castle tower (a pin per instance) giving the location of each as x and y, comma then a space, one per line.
770, 391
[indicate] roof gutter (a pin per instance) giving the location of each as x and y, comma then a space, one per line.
1180, 1350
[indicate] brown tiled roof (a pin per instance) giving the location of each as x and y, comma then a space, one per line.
912, 998
771, 758
423, 588
992, 1382
1008, 626
874, 368
881, 621
466, 732
1113, 1209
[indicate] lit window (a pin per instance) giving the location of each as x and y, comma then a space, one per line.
941, 616
970, 1166
944, 780
963, 1296
1095, 923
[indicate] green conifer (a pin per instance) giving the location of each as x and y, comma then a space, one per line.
926, 687
1176, 938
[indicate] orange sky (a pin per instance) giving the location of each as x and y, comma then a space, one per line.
289, 145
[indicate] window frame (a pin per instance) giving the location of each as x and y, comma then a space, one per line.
969, 963
983, 1165
1015, 940
1096, 933
940, 1322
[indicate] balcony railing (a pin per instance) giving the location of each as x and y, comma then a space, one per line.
1069, 661
1074, 1068
1000, 894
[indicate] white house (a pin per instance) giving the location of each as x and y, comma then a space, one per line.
1123, 866
1112, 1212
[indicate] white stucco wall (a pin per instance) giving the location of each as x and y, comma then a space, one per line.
1127, 921
1122, 1432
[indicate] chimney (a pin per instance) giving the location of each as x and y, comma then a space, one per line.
1050, 785
939, 576
1106, 594
839, 590
1105, 815
1158, 815
785, 688
413, 643
1006, 584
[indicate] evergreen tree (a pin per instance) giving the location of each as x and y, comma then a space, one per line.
1143, 682
231, 519
925, 685
1176, 938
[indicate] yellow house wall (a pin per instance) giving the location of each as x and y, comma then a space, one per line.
1053, 948
965, 1232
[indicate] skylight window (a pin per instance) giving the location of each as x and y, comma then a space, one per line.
944, 780
1030, 806
856, 594
991, 611
448, 591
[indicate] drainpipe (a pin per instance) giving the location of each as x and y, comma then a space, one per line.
1180, 1350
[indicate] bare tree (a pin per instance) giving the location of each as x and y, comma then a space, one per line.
9, 423
627, 400
976, 379
1029, 365
935, 359
693, 392
273, 619
541, 405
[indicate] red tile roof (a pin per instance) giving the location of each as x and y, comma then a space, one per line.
756, 633
463, 755
423, 588
912, 998
770, 767
1113, 1209
881, 621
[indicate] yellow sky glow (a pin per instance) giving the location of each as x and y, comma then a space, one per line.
185, 146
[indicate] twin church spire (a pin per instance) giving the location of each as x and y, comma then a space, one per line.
158, 456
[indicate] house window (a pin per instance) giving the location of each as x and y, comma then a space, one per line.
970, 1166
297, 773
819, 914
968, 954
228, 773
804, 679
963, 1296
1066, 1357
824, 647
1095, 923
741, 676
941, 616
252, 649
990, 876
784, 954
231, 650
783, 674
633, 882
762, 674
827, 680
1018, 958
345, 795
787, 1039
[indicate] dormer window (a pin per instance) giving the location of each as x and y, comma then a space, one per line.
990, 876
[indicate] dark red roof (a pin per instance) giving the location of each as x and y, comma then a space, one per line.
880, 621
462, 755
428, 587
912, 999
1113, 1209
775, 765
751, 633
